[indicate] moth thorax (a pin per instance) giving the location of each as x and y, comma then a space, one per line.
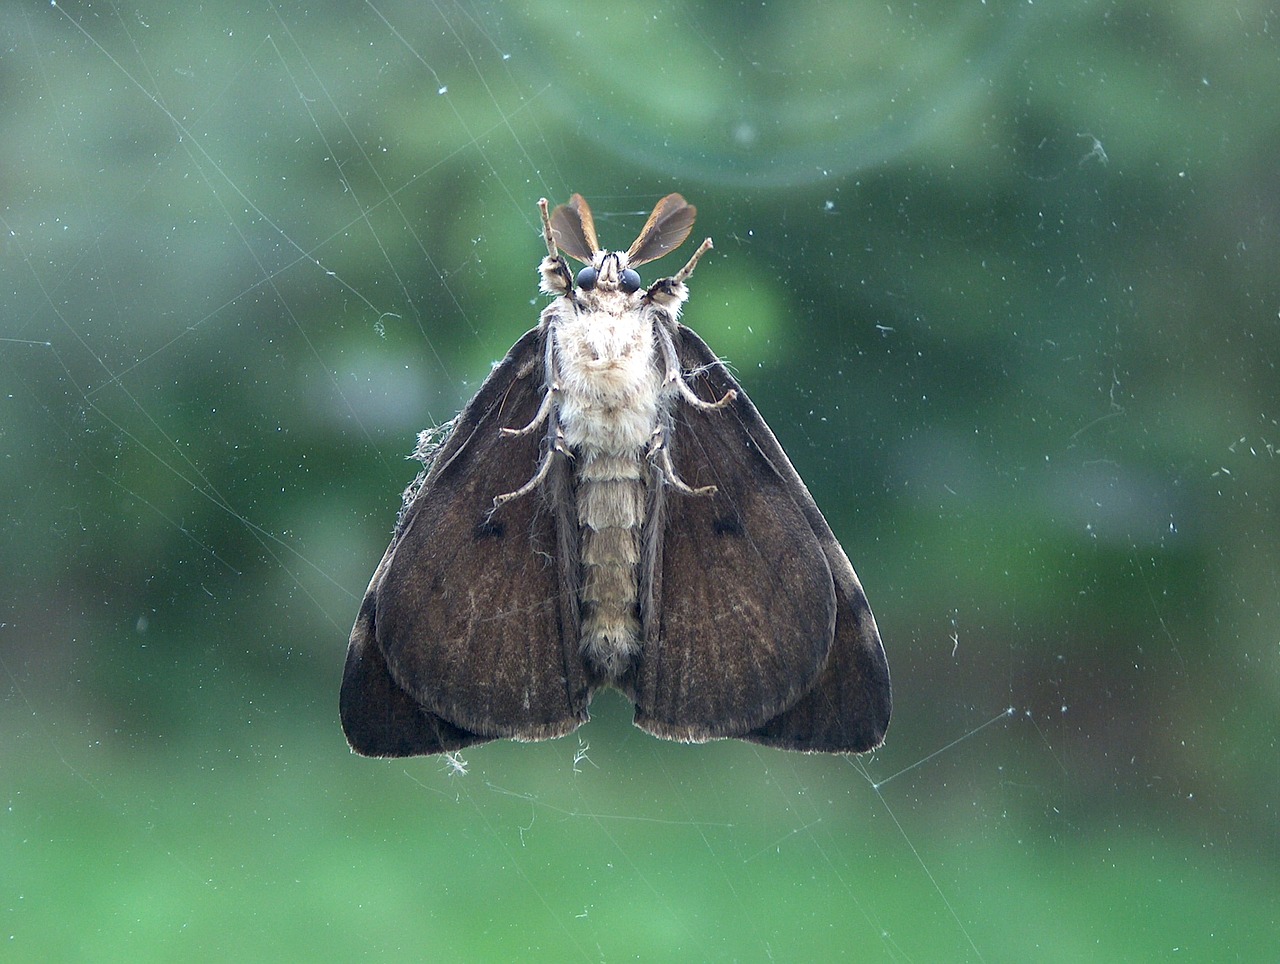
611, 505
609, 377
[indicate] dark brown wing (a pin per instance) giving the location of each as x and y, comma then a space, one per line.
759, 612
743, 606
575, 230
469, 630
666, 229
378, 717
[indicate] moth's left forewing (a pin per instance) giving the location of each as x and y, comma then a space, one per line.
740, 608
844, 706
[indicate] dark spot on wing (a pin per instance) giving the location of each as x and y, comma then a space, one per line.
489, 529
727, 525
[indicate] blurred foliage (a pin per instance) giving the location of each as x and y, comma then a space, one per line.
1001, 276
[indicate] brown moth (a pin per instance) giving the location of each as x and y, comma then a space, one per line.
611, 510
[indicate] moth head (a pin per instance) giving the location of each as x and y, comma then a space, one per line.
571, 228
609, 271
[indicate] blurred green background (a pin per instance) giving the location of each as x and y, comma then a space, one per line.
1002, 277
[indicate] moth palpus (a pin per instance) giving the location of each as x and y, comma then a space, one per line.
611, 510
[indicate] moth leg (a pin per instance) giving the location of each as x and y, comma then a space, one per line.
674, 377
546, 413
683, 273
547, 235
548, 402
556, 279
658, 450
557, 447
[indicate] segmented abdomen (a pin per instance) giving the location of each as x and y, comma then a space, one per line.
611, 505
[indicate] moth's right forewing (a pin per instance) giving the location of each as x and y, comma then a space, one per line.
474, 612
378, 717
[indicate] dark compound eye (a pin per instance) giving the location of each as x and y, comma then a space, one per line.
629, 281
587, 278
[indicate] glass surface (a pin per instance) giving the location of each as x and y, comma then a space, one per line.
1001, 277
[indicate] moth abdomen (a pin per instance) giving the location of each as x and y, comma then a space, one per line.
611, 514
611, 503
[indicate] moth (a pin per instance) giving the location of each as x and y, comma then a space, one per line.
611, 510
